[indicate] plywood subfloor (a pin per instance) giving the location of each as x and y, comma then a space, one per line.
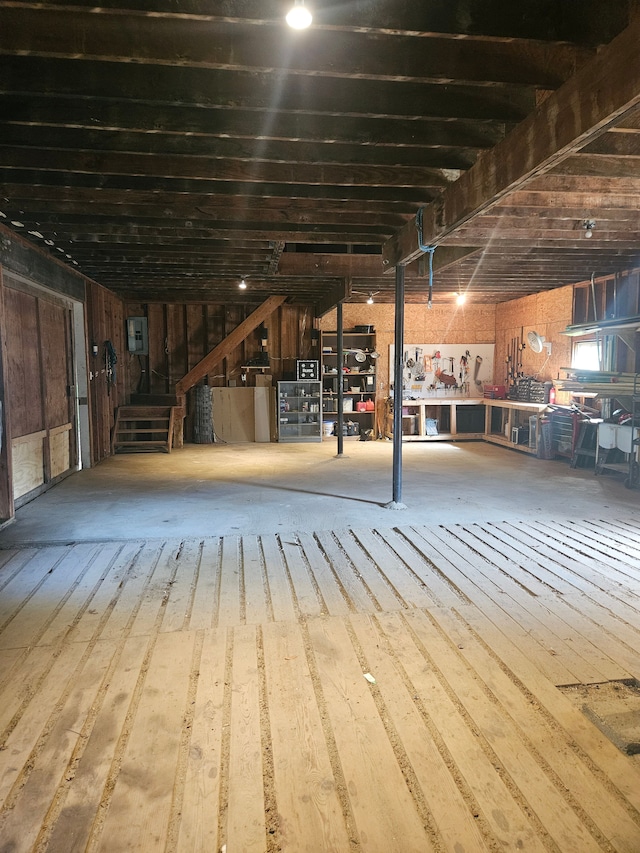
360, 690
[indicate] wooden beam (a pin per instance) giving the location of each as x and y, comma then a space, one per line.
7, 508
58, 204
446, 256
584, 24
98, 33
226, 346
240, 125
19, 256
40, 139
210, 169
209, 88
340, 292
203, 189
600, 94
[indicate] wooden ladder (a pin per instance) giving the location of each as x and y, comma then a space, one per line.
142, 428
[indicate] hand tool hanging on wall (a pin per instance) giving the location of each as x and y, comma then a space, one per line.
476, 371
110, 361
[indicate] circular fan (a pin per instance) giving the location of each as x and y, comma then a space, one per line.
536, 341
360, 356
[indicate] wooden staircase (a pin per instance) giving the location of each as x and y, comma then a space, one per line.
142, 428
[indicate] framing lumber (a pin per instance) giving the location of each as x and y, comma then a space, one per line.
225, 347
567, 120
340, 292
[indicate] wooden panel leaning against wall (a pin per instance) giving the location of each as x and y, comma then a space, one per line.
181, 335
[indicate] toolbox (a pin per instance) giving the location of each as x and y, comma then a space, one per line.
495, 392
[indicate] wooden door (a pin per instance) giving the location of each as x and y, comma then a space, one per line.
40, 389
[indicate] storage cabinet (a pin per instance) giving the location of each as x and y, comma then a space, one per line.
300, 411
357, 374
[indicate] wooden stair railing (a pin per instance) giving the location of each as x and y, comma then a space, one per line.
142, 428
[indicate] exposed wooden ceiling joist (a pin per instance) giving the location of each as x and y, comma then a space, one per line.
564, 122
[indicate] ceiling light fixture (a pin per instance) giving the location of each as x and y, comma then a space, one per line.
243, 284
461, 298
588, 225
299, 17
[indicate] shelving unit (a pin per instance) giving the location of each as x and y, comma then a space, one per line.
633, 478
618, 445
617, 450
300, 411
507, 420
358, 379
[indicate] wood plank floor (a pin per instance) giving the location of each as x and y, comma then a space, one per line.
362, 690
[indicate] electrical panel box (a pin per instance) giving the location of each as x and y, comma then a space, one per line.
137, 335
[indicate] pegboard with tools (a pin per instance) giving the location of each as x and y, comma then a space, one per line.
444, 370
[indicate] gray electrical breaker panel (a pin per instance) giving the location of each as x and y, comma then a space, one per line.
137, 335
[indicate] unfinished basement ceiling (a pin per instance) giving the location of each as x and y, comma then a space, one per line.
167, 149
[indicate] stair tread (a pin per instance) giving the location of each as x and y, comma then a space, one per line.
142, 422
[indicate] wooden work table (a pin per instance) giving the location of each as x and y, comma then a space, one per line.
447, 412
472, 418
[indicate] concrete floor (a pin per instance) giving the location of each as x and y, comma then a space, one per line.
213, 490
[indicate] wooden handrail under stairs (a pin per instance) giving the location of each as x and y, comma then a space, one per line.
142, 428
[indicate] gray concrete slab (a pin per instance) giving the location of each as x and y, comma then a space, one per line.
212, 490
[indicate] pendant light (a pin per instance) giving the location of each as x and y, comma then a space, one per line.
299, 17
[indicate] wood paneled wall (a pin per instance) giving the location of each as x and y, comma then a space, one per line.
180, 335
104, 322
39, 384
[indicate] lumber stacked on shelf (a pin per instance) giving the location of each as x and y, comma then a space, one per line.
600, 382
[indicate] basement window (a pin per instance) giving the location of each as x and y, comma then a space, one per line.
585, 355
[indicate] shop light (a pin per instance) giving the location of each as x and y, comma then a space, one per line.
299, 17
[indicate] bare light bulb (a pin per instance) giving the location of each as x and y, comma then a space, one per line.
370, 299
243, 285
461, 298
299, 17
588, 225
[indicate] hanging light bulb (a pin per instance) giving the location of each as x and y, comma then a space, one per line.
370, 299
588, 225
299, 17
461, 298
243, 284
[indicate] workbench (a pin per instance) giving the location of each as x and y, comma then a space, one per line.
506, 422
456, 418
